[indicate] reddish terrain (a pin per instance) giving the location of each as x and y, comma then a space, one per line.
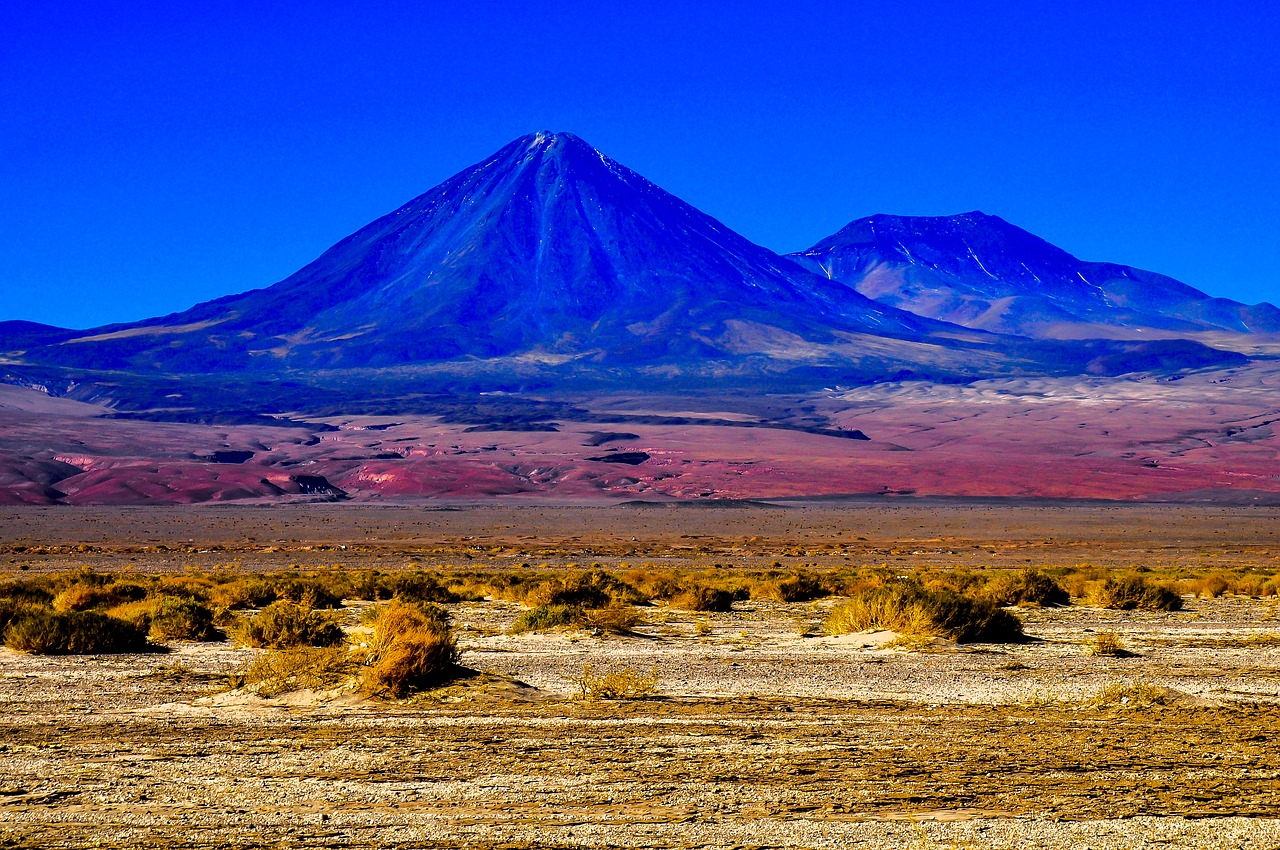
1209, 435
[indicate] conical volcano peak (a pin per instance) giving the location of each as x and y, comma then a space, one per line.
547, 144
548, 139
548, 248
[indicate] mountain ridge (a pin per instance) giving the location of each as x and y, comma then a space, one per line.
980, 271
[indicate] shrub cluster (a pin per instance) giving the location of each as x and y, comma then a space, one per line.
1028, 587
1127, 594
907, 607
284, 625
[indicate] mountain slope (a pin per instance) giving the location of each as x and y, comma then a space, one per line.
980, 271
548, 250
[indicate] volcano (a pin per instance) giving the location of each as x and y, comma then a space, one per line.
546, 264
981, 271
547, 251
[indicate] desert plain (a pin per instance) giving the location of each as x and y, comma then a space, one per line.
759, 728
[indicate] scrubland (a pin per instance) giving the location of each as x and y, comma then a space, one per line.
800, 687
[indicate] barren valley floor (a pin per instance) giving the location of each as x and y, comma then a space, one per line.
764, 732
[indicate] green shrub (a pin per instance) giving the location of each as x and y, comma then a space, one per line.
547, 617
45, 632
1127, 594
173, 618
282, 625
412, 649
614, 619
908, 608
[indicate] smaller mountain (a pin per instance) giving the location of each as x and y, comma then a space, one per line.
981, 271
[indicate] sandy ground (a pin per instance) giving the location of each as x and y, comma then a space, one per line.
763, 735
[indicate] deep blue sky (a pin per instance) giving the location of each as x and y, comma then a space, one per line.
159, 154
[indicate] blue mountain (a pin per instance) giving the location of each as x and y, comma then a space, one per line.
546, 251
980, 271
551, 260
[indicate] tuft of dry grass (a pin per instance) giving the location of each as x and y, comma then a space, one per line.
1106, 644
298, 668
412, 649
620, 683
1133, 695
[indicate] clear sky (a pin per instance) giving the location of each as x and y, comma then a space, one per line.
157, 154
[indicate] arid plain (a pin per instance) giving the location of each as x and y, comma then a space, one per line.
756, 727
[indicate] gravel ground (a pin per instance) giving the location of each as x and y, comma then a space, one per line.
764, 735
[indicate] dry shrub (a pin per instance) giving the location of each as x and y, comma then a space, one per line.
282, 625
173, 618
298, 668
1029, 587
906, 607
1210, 586
1106, 644
83, 597
1133, 695
30, 591
417, 587
412, 649
261, 591
702, 598
11, 611
615, 619
1127, 594
622, 683
45, 632
799, 587
239, 593
594, 589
